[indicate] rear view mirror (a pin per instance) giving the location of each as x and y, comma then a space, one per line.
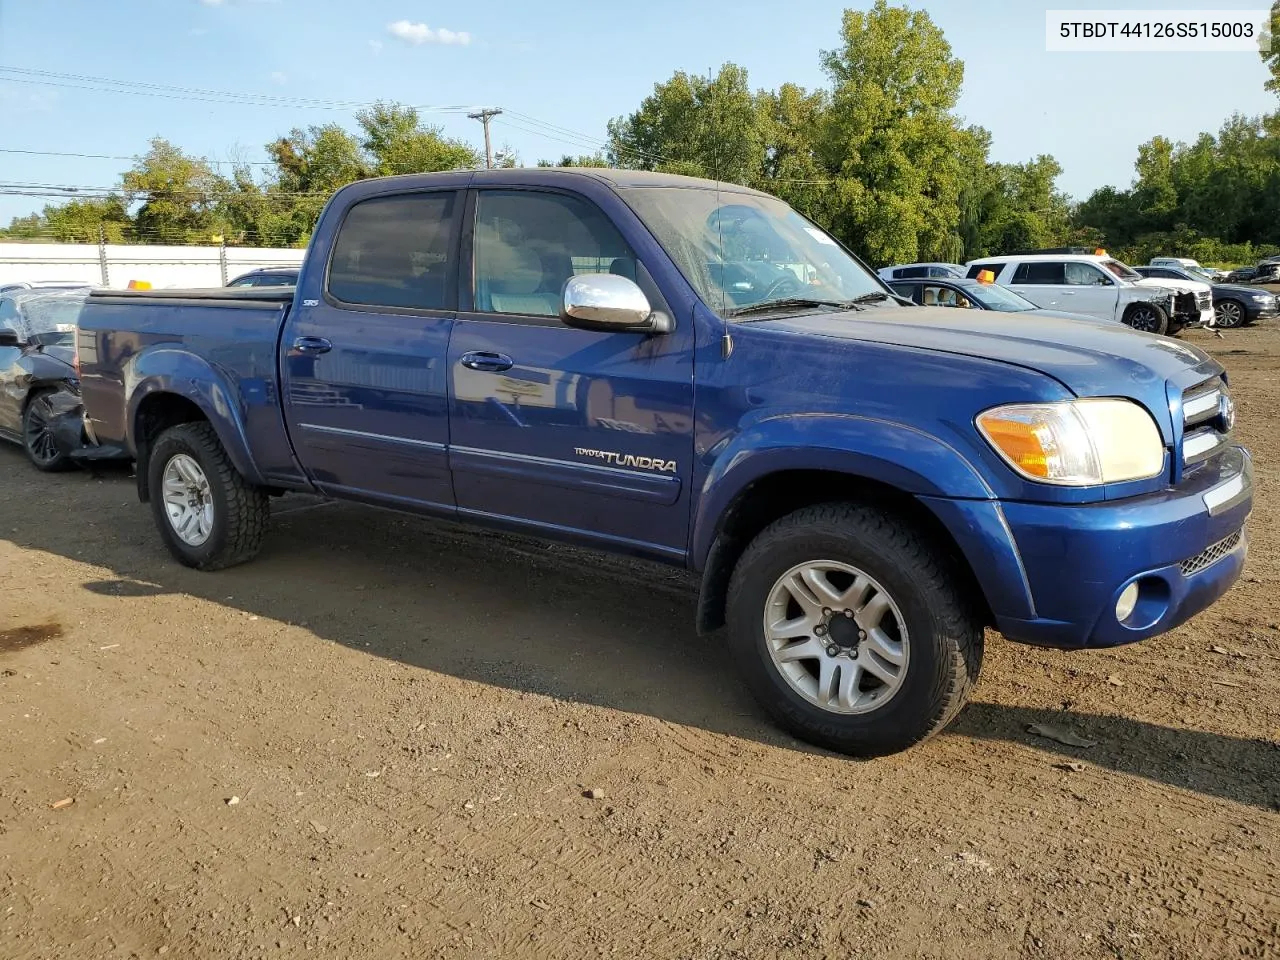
606, 302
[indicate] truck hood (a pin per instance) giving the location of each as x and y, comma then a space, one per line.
1089, 359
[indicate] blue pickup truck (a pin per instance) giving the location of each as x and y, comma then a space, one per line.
692, 372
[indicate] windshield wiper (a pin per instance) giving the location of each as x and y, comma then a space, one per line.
874, 297
787, 303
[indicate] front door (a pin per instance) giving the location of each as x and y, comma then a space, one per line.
575, 433
365, 376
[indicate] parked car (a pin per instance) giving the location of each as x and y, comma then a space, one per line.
1233, 305
976, 295
1193, 267
862, 485
267, 277
1264, 272
38, 383
1100, 286
912, 271
16, 285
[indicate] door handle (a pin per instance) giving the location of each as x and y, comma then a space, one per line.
484, 360
312, 345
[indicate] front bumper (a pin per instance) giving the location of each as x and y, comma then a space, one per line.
1053, 573
1254, 311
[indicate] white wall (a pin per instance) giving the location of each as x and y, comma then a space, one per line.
160, 266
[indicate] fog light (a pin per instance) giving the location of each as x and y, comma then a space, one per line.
1128, 600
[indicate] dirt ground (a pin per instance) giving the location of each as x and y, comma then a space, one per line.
409, 717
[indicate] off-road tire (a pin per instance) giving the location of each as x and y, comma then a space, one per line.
241, 511
944, 627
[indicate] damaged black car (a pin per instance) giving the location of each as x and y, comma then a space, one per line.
40, 406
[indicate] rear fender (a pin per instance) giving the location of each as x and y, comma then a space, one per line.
900, 456
166, 370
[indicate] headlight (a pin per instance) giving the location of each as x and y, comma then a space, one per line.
1076, 443
1262, 297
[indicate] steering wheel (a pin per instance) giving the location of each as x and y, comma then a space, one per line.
787, 286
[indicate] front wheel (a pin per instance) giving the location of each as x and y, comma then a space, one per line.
209, 516
851, 630
1147, 318
1228, 314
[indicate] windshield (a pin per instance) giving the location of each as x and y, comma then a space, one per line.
1121, 270
739, 250
1000, 298
1199, 273
50, 320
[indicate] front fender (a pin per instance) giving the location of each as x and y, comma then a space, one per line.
170, 370
901, 456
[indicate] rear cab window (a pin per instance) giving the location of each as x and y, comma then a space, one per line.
977, 268
396, 252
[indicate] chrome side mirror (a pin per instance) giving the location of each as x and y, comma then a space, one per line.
606, 302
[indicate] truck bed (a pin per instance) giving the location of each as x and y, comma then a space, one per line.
225, 340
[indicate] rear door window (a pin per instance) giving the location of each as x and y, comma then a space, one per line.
395, 252
1040, 272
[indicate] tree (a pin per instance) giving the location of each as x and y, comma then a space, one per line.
396, 142
1271, 52
788, 121
891, 138
179, 195
597, 159
699, 126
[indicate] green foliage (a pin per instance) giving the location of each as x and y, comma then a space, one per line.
692, 125
1217, 200
396, 142
1271, 49
179, 195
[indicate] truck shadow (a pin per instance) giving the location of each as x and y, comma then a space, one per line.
550, 620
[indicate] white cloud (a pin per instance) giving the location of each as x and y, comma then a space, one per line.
280, 77
420, 33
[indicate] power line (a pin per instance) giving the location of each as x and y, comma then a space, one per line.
171, 91
107, 156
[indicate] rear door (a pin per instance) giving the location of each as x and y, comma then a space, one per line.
577, 433
365, 376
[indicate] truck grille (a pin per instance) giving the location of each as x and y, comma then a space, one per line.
1204, 299
1207, 415
1208, 557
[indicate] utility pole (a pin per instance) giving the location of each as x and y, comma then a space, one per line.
484, 116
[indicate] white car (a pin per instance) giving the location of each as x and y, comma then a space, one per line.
1186, 263
1101, 286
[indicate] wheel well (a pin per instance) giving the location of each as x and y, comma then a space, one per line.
156, 414
773, 497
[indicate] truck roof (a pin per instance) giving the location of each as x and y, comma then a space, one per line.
1008, 257
621, 179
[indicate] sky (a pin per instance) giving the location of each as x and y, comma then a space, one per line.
560, 70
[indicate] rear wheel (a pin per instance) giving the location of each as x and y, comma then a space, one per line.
1146, 317
37, 434
851, 630
209, 516
1228, 314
